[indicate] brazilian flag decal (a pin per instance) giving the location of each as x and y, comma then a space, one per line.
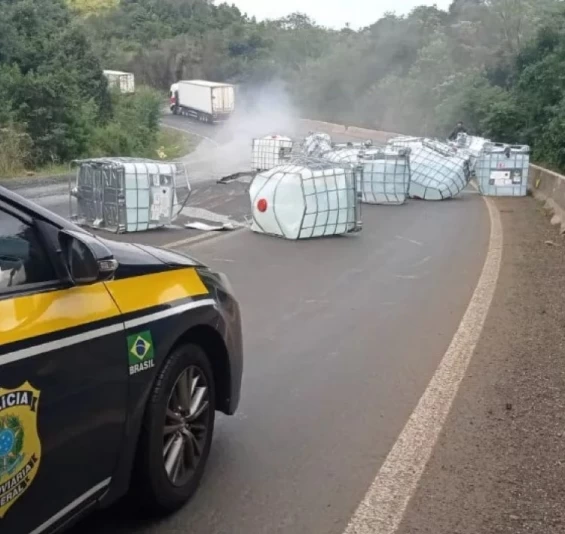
141, 353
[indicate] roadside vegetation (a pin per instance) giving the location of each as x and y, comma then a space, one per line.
495, 64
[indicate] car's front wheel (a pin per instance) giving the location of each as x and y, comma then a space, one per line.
177, 434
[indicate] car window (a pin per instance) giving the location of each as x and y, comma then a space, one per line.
22, 258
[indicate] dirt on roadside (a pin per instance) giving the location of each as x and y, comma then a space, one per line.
499, 466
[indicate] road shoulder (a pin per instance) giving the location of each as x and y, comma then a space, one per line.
499, 466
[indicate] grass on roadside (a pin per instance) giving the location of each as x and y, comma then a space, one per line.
173, 144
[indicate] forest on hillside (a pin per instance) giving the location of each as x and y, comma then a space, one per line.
497, 65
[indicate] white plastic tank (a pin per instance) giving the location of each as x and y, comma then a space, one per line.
437, 172
316, 144
127, 195
343, 155
470, 146
306, 198
270, 151
383, 174
149, 195
502, 170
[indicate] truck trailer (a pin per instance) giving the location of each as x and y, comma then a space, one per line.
124, 81
203, 100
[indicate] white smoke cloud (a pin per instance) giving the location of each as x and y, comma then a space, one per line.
263, 111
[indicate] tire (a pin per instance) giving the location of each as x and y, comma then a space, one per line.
155, 470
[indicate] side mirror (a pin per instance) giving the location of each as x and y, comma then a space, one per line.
86, 259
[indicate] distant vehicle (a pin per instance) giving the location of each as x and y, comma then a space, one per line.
124, 81
203, 100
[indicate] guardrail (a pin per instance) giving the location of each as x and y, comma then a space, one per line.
352, 131
549, 187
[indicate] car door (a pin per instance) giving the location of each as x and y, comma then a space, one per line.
63, 382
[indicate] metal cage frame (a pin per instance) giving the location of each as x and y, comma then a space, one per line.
109, 208
318, 164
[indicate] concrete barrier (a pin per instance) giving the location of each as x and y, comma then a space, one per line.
364, 133
320, 126
549, 187
351, 131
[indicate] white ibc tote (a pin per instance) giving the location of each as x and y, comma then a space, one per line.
437, 172
306, 198
127, 195
270, 151
502, 170
470, 146
383, 173
316, 144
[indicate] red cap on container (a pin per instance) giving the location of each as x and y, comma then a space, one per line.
262, 205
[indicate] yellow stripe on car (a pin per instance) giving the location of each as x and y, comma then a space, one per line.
141, 292
43, 313
52, 311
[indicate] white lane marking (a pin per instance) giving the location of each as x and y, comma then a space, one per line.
186, 130
75, 504
385, 503
422, 261
206, 236
408, 276
409, 240
175, 310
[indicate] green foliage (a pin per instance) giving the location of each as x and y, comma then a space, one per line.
54, 100
133, 128
495, 64
15, 149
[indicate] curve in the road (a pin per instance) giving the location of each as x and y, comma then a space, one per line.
385, 503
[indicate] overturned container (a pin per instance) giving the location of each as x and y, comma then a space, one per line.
383, 174
316, 144
502, 170
305, 198
470, 146
384, 177
127, 194
270, 151
437, 172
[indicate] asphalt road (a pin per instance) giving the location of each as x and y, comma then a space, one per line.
342, 336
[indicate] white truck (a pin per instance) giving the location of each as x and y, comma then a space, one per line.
203, 100
124, 81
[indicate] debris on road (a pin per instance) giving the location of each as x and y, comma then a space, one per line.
196, 225
243, 176
270, 151
307, 198
383, 173
502, 170
126, 194
471, 146
224, 222
438, 172
315, 145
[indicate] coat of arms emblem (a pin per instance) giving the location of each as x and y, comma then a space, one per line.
20, 446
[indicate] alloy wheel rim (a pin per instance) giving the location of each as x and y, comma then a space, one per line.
186, 425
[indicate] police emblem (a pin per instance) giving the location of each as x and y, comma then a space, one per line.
20, 446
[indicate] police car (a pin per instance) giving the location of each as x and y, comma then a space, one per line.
114, 358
